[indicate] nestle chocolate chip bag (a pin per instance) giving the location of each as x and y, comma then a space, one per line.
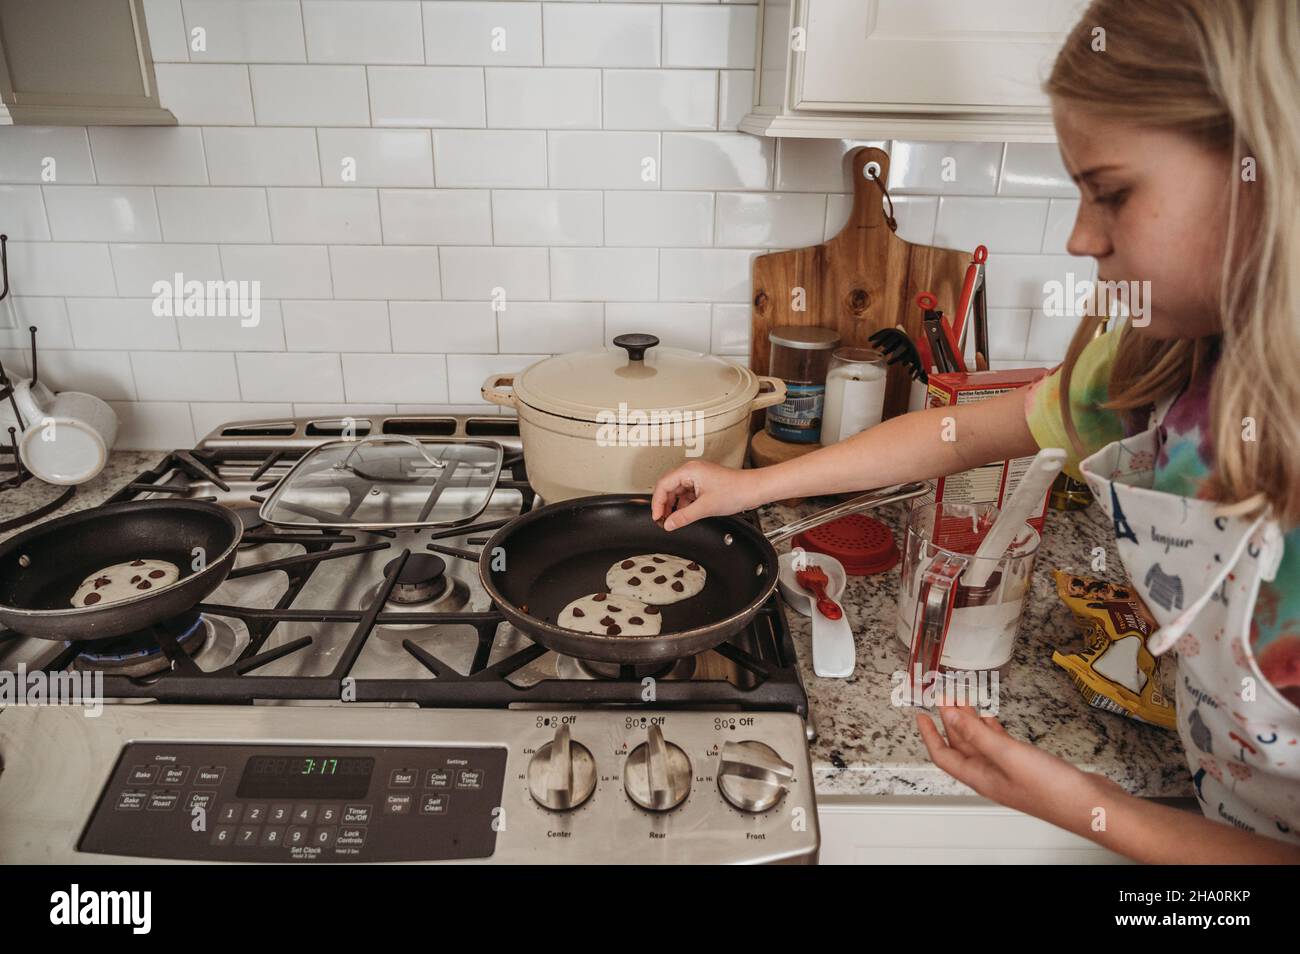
1115, 672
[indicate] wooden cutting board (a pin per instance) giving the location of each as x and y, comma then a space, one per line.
864, 278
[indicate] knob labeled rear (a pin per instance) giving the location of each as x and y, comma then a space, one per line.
657, 774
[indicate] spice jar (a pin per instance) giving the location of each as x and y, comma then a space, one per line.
801, 356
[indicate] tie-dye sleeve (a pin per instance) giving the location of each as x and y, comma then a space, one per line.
1089, 388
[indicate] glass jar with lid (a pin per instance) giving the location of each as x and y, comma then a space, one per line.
801, 356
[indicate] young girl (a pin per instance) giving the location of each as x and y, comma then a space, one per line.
1179, 121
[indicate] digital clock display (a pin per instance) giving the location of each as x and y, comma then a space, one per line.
312, 775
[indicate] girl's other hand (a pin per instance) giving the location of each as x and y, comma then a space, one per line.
700, 489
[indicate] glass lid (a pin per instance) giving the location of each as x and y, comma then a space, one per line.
386, 482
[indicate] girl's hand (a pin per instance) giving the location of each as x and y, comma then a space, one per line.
979, 752
700, 489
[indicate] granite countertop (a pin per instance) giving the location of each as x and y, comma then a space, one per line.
865, 745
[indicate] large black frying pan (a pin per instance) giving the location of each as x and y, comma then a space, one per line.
41, 568
540, 562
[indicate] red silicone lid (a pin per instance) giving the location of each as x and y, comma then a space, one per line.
862, 544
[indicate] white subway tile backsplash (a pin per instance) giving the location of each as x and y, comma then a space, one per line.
336, 325
1035, 169
467, 372
284, 271
341, 216
373, 31
153, 425
1008, 331
217, 94
735, 97
310, 95
1061, 214
246, 31
261, 157
185, 376
676, 325
507, 159
101, 214
138, 267
602, 274
484, 33
731, 328
394, 377
436, 216
24, 213
382, 272
1017, 281
716, 161
209, 417
168, 41
772, 220
375, 157
57, 268
1001, 225
49, 315
538, 326
546, 217
206, 214
152, 155
427, 96
658, 218
263, 330
946, 168
443, 326
289, 376
661, 99
108, 323
915, 215
818, 165
589, 34
482, 274
105, 374
603, 160
543, 98
53, 154
704, 275
1049, 337
709, 36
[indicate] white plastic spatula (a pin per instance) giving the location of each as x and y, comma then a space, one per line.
1027, 497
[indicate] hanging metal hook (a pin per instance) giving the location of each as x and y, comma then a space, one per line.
4, 267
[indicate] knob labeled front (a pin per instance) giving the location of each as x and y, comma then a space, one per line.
562, 774
751, 776
657, 775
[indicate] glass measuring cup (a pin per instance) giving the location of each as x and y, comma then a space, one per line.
946, 624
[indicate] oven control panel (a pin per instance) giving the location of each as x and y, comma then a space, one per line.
321, 803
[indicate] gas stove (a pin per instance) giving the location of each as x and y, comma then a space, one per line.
354, 696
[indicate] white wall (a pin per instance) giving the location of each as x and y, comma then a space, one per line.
519, 169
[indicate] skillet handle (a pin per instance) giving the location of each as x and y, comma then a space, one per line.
867, 501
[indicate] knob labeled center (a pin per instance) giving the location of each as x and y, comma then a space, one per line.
562, 774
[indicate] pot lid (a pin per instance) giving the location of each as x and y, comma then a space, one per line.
591, 385
388, 481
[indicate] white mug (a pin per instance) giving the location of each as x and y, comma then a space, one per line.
68, 435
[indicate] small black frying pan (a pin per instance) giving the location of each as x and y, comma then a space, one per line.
41, 568
539, 562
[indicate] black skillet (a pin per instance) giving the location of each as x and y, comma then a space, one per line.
41, 568
539, 562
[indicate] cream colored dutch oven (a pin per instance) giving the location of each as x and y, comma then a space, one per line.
614, 421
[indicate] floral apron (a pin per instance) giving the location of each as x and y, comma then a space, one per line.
1199, 575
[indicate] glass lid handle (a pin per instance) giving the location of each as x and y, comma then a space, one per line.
636, 345
346, 462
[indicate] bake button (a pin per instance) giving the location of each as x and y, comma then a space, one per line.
351, 836
356, 815
304, 814
201, 800
297, 836
437, 778
222, 835
322, 837
470, 778
397, 805
143, 774
402, 778
273, 836
130, 801
246, 837
328, 814
174, 775
281, 814
230, 812
255, 813
164, 800
209, 774
434, 804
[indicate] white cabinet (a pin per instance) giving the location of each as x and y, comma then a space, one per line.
914, 69
77, 63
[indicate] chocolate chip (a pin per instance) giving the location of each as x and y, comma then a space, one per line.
634, 581
578, 612
680, 573
92, 598
635, 620
658, 559
607, 621
599, 597
692, 566
677, 586
652, 610
144, 585
647, 569
613, 630
137, 578
615, 609
156, 574
661, 579
626, 564
137, 562
102, 581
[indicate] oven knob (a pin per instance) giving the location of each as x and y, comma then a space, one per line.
562, 775
751, 776
657, 775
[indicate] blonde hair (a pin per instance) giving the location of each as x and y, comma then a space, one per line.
1225, 72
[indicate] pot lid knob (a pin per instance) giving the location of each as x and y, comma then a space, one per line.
636, 345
